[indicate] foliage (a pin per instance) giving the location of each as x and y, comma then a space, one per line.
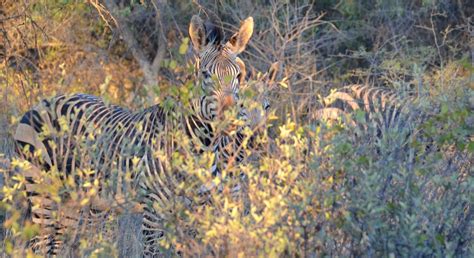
308, 188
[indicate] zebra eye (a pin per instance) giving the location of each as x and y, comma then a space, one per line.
239, 77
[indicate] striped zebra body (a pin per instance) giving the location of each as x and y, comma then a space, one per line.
107, 139
80, 132
380, 121
373, 110
383, 121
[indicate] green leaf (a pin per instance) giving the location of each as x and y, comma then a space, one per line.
440, 239
173, 64
470, 147
444, 109
156, 90
360, 115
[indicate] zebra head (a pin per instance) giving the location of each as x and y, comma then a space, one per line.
219, 69
256, 115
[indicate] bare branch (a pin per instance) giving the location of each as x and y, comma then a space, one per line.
149, 69
160, 53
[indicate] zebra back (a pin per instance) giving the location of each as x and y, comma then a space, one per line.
377, 112
85, 140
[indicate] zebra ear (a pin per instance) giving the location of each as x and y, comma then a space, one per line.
239, 40
197, 32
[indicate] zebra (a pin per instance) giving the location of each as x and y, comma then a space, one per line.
230, 149
376, 111
124, 140
380, 119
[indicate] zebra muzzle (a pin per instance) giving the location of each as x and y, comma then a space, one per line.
227, 102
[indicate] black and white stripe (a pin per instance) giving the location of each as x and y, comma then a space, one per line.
80, 132
375, 111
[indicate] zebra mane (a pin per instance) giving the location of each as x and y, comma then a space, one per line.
214, 34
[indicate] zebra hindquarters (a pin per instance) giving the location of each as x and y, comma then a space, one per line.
61, 219
56, 164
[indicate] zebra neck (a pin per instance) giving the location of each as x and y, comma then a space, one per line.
198, 124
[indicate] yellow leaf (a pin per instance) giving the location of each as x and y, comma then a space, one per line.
272, 117
8, 247
330, 180
173, 64
184, 46
327, 215
135, 161
284, 131
216, 181
211, 233
283, 84
257, 218
235, 213
92, 192
84, 201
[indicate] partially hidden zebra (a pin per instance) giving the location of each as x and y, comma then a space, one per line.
374, 113
125, 140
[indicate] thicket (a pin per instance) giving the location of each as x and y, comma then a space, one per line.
310, 188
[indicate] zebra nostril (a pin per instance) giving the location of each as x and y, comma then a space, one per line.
206, 75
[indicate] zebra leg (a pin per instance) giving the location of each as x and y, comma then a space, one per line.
42, 209
59, 222
152, 233
45, 244
53, 223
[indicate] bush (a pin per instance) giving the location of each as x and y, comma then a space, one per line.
310, 188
